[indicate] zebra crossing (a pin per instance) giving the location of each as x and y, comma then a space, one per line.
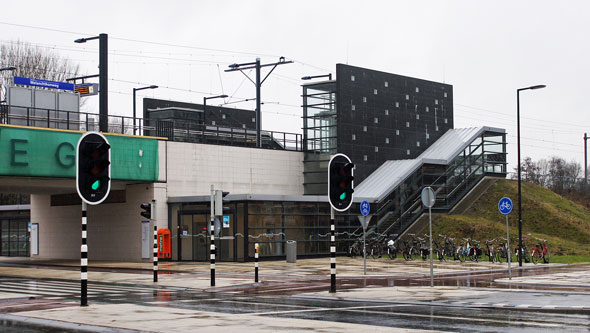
62, 290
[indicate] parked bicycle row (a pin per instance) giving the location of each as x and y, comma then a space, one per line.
413, 247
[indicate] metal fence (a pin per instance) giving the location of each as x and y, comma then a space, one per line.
173, 129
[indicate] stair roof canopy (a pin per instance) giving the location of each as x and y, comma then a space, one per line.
392, 173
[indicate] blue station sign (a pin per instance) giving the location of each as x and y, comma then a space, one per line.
505, 205
43, 83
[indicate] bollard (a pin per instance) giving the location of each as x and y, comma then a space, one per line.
256, 262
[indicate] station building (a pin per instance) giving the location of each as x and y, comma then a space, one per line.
397, 130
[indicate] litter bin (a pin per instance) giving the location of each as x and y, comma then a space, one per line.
291, 251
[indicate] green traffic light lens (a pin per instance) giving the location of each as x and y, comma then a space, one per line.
95, 185
343, 196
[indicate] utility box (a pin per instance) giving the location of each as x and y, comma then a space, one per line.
291, 251
164, 250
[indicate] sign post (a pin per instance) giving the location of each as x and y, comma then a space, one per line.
505, 207
428, 200
364, 219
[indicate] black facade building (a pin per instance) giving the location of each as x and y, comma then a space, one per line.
372, 117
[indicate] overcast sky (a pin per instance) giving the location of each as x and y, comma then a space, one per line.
485, 49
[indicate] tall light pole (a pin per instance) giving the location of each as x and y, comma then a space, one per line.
205, 105
258, 83
134, 114
585, 161
103, 79
519, 180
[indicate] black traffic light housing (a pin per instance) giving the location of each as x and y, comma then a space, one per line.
93, 168
147, 210
340, 182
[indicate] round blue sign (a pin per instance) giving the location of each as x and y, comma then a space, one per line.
505, 205
365, 208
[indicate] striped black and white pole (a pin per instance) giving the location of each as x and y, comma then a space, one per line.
212, 229
84, 259
155, 252
256, 262
332, 252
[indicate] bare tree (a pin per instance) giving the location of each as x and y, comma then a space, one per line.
34, 62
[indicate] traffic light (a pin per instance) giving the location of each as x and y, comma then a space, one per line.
340, 182
93, 168
147, 210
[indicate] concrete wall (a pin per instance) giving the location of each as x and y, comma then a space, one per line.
192, 169
114, 230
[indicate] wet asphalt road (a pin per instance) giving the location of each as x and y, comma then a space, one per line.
441, 316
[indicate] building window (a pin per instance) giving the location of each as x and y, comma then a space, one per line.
427, 110
386, 84
376, 149
364, 100
417, 143
407, 124
417, 116
408, 152
376, 120
253, 120
387, 112
397, 104
436, 101
352, 78
353, 107
446, 120
222, 116
407, 97
243, 126
417, 89
353, 137
445, 95
364, 128
396, 132
364, 157
213, 123
427, 136
375, 91
436, 128
386, 140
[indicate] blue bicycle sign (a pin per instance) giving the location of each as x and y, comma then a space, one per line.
505, 205
365, 208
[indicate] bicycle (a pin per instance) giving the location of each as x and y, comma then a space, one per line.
424, 251
474, 252
540, 252
438, 250
491, 252
524, 253
355, 249
502, 251
391, 249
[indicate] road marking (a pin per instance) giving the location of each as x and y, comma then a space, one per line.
499, 305
523, 306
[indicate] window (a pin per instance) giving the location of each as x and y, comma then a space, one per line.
427, 136
436, 101
436, 128
253, 120
417, 143
352, 78
376, 120
375, 91
376, 149
397, 104
407, 97
386, 140
364, 128
364, 100
386, 112
222, 116
407, 124
446, 121
408, 152
396, 132
352, 107
353, 137
244, 126
427, 110
445, 95
417, 89
213, 122
364, 157
417, 116
386, 84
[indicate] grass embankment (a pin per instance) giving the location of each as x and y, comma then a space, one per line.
546, 215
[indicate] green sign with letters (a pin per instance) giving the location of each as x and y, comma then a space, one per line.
34, 152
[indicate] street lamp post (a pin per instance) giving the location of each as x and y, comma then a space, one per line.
134, 114
205, 105
103, 79
519, 180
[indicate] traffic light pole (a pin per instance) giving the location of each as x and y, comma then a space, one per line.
152, 207
84, 260
332, 252
212, 229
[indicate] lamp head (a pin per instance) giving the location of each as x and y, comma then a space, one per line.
80, 40
540, 86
